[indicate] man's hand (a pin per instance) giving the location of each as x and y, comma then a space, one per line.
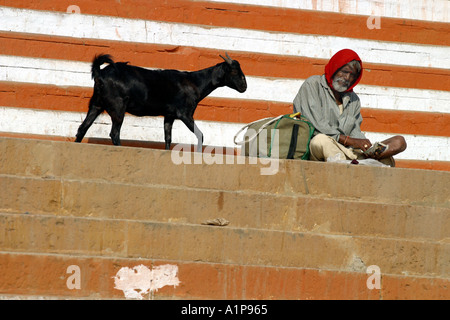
355, 143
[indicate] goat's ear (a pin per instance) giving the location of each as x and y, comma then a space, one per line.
217, 76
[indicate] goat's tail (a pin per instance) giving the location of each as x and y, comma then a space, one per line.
98, 61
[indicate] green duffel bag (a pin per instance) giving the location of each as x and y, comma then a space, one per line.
283, 137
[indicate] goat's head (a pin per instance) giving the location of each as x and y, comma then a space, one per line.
234, 77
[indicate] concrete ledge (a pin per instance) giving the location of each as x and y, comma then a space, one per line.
46, 277
400, 163
162, 203
308, 231
185, 242
293, 177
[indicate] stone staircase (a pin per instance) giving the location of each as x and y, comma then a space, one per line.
89, 221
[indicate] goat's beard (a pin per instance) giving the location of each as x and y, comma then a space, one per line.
340, 84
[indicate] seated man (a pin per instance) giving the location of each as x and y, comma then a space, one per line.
329, 103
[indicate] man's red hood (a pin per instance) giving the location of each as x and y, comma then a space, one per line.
340, 59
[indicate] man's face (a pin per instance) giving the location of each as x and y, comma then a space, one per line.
344, 78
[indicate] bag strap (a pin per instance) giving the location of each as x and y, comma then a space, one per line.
293, 144
269, 122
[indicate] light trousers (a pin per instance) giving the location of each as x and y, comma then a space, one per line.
323, 147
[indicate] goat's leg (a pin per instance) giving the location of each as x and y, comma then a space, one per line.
189, 122
168, 122
117, 114
92, 114
115, 133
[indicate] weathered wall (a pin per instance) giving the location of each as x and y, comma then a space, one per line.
307, 231
45, 57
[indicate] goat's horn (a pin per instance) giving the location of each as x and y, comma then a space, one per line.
227, 59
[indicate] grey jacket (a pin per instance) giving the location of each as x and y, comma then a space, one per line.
316, 102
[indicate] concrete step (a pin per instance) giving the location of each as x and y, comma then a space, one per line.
227, 245
288, 177
308, 231
242, 209
46, 276
37, 252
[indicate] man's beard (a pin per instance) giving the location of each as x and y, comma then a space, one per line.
340, 84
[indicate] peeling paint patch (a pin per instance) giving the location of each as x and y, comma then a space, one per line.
140, 280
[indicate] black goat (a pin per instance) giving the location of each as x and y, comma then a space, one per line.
174, 94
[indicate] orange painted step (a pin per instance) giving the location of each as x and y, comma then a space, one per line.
75, 99
191, 58
29, 274
254, 17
